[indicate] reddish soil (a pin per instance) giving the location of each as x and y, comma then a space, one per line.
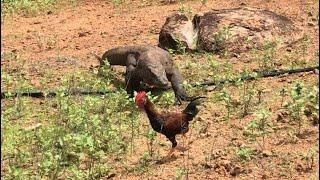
95, 26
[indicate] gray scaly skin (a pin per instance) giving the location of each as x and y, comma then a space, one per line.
147, 64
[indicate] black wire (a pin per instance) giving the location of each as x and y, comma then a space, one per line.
40, 94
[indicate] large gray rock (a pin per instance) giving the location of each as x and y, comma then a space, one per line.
234, 30
178, 31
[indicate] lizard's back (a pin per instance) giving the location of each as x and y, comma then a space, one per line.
118, 56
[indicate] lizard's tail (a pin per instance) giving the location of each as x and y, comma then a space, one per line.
96, 56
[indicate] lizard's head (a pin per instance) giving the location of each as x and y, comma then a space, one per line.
156, 76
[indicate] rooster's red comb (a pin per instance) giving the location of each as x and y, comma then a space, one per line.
139, 96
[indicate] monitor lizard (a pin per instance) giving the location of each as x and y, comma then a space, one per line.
146, 64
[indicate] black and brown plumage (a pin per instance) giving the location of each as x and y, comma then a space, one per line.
168, 123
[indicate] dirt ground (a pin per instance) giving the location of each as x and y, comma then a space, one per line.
96, 26
61, 41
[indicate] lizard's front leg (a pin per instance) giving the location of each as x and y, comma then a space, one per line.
131, 78
176, 82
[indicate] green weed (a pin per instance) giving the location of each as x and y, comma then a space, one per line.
144, 163
259, 127
77, 135
221, 39
244, 154
27, 7
185, 10
180, 172
266, 58
226, 98
297, 97
117, 2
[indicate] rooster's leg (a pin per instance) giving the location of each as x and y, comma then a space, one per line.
185, 147
174, 144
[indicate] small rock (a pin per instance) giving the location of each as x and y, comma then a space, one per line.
81, 34
311, 24
207, 166
235, 171
236, 55
266, 153
54, 105
112, 175
282, 116
264, 176
36, 126
299, 167
226, 164
210, 88
83, 166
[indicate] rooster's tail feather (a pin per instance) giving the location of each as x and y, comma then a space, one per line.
191, 110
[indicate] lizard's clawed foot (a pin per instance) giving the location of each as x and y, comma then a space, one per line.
182, 97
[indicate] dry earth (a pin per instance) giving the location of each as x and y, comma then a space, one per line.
61, 42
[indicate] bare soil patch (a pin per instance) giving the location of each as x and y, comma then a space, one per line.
60, 43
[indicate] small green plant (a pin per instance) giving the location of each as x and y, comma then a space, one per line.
151, 137
46, 43
259, 127
105, 71
144, 162
220, 40
312, 105
297, 105
283, 95
203, 2
244, 153
309, 158
226, 98
268, 57
117, 2
185, 10
304, 47
26, 7
248, 93
303, 102
180, 172
286, 164
260, 92
181, 46
228, 71
212, 63
166, 99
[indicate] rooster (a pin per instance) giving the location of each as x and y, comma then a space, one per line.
168, 123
